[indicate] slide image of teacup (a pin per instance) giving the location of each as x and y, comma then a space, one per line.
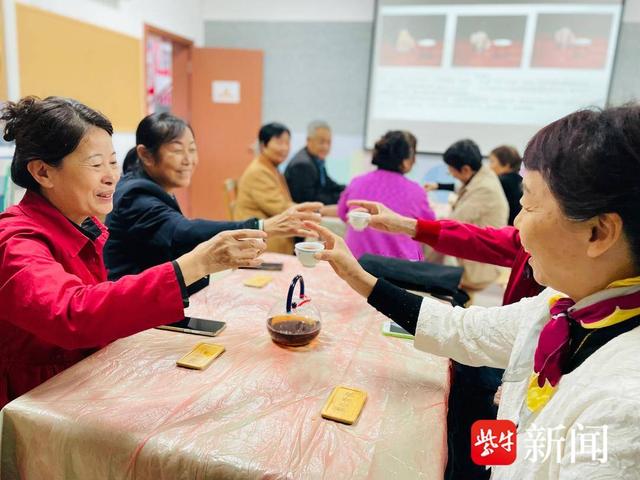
305, 251
359, 220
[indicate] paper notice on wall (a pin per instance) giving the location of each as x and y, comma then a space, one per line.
225, 91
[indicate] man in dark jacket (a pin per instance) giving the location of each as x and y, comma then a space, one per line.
306, 173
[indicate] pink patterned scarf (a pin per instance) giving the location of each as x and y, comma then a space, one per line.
620, 301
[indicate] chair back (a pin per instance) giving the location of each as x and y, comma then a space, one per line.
230, 186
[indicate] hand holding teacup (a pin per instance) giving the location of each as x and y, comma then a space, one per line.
383, 218
342, 261
359, 219
228, 249
306, 252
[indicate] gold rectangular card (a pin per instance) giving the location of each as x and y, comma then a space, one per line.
344, 405
258, 281
201, 356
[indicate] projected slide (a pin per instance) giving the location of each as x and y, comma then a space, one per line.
494, 72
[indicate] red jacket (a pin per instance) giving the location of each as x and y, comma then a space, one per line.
56, 306
498, 246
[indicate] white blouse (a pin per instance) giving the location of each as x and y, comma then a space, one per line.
565, 439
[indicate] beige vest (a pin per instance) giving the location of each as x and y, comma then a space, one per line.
263, 193
481, 202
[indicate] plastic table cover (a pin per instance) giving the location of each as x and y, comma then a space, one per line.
129, 412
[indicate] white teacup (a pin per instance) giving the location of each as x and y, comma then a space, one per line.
305, 251
358, 219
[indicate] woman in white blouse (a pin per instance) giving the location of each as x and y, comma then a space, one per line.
572, 378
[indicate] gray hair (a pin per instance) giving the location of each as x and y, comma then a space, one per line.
315, 125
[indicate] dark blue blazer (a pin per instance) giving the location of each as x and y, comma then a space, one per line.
147, 228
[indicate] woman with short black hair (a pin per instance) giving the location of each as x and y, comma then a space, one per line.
262, 190
570, 358
57, 305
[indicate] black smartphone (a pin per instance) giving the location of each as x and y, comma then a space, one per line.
275, 266
196, 326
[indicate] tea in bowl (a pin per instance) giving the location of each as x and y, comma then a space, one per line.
306, 251
293, 330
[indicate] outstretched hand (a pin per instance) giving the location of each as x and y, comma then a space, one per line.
290, 223
228, 249
342, 260
385, 219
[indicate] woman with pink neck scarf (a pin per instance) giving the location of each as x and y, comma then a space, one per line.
572, 379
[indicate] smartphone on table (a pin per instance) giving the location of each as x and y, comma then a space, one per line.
392, 329
196, 326
273, 266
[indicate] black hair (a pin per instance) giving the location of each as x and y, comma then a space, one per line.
463, 152
392, 149
270, 130
590, 160
413, 141
130, 160
159, 128
508, 156
46, 129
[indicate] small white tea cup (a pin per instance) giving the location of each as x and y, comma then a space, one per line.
305, 251
359, 220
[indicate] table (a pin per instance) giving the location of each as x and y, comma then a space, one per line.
128, 412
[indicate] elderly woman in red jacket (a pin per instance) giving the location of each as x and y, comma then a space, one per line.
57, 305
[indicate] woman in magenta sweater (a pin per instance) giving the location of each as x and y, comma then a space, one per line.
394, 155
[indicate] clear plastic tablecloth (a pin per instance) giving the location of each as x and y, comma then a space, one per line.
129, 412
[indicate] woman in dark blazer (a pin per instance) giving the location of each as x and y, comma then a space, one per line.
147, 226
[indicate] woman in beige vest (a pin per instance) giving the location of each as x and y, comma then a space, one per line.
262, 189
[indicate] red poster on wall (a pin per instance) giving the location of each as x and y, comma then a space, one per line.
159, 75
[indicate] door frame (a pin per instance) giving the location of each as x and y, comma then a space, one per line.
183, 195
175, 40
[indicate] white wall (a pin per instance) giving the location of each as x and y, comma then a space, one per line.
181, 17
289, 10
319, 10
631, 11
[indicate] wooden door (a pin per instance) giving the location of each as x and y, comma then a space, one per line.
225, 132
